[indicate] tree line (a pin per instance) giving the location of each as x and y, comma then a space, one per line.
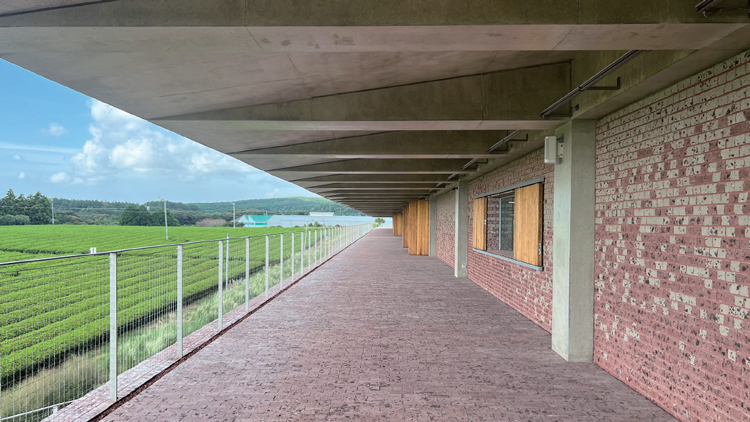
140, 215
37, 209
22, 210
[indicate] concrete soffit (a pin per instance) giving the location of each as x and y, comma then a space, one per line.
367, 103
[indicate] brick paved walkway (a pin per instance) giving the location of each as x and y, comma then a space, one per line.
376, 334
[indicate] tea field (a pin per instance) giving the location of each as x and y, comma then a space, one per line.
52, 309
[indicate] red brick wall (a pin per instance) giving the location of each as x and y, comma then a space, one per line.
527, 290
672, 245
446, 228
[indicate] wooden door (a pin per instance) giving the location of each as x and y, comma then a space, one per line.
480, 223
527, 236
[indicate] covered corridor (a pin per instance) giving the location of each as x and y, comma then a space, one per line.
376, 334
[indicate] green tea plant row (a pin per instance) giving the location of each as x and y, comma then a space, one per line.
70, 240
48, 309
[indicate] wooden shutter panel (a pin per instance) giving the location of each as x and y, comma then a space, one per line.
413, 226
527, 236
480, 223
397, 224
405, 225
423, 227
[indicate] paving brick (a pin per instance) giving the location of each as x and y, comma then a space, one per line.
376, 334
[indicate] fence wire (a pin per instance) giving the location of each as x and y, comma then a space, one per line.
146, 304
55, 314
54, 348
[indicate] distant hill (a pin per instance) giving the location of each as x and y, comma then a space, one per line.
289, 205
85, 211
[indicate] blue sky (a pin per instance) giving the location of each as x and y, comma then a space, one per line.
64, 144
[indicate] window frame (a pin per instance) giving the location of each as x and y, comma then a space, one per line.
505, 190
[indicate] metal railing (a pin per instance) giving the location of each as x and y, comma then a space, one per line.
71, 324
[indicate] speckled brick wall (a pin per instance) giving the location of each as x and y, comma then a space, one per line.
673, 245
527, 290
446, 229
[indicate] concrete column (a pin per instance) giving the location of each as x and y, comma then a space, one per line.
433, 226
573, 244
462, 230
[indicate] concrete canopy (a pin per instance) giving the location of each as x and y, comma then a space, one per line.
351, 96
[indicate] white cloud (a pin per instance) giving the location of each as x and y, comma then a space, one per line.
17, 157
272, 194
61, 177
22, 175
55, 130
126, 146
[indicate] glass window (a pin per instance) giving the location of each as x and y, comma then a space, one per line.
501, 223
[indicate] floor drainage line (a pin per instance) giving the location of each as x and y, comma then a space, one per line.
116, 405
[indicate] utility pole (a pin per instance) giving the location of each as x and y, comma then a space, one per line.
234, 216
52, 201
166, 226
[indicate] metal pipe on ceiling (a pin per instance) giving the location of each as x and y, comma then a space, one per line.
46, 9
630, 55
706, 5
504, 140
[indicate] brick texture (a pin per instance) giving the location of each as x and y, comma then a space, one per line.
672, 245
446, 235
527, 290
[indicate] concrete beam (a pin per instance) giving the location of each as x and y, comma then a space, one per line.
347, 13
369, 179
433, 226
374, 194
505, 100
425, 144
363, 187
461, 227
376, 166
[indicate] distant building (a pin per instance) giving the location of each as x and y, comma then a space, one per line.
321, 214
254, 220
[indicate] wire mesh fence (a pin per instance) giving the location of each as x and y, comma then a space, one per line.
69, 325
54, 318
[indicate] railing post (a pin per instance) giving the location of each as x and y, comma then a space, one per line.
113, 326
309, 249
302, 255
247, 274
221, 285
281, 260
226, 267
179, 301
266, 266
292, 256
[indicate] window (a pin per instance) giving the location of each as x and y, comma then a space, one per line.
508, 223
501, 223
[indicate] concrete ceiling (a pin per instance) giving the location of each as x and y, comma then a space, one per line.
367, 103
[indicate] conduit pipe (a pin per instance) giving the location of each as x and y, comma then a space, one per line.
630, 55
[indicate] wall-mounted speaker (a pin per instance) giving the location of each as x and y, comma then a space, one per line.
550, 150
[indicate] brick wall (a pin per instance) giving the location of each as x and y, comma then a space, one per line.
527, 290
446, 236
673, 245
